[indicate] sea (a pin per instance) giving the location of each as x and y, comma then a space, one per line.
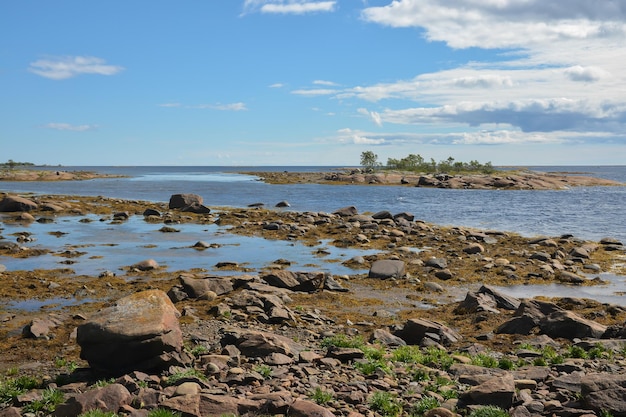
589, 213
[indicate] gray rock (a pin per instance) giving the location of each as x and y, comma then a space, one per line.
346, 211
146, 265
415, 330
605, 392
568, 325
179, 201
303, 408
439, 263
296, 281
387, 268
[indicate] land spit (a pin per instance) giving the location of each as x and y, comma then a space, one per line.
277, 341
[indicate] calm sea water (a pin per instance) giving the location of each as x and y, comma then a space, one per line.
586, 212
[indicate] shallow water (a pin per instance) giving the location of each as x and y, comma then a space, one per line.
105, 246
586, 212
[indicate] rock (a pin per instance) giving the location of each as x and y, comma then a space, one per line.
180, 201
346, 211
439, 263
605, 392
199, 288
15, 203
147, 265
296, 281
40, 328
109, 398
474, 248
139, 332
151, 212
303, 408
570, 277
331, 284
387, 268
415, 330
568, 325
498, 391
196, 208
199, 405
256, 343
384, 337
382, 215
283, 203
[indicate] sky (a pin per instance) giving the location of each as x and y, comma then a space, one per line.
312, 82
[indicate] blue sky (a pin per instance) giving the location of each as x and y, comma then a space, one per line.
302, 82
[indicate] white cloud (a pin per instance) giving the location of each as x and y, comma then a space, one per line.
323, 82
69, 127
277, 85
504, 23
585, 74
239, 106
288, 6
358, 138
315, 92
60, 68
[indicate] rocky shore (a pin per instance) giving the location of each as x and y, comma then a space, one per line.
503, 180
276, 341
49, 175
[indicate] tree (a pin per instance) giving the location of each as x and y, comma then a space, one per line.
369, 160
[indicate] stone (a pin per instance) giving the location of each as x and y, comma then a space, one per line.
256, 343
568, 325
386, 338
439, 263
139, 332
109, 398
40, 328
303, 408
296, 281
346, 211
196, 208
415, 330
15, 203
474, 248
146, 265
283, 203
387, 268
605, 392
179, 201
498, 391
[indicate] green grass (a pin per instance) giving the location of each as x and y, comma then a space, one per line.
184, 374
50, 398
343, 341
12, 387
162, 412
104, 382
98, 413
321, 397
423, 405
484, 360
489, 411
385, 403
264, 370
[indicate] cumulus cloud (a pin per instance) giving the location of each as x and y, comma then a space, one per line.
314, 92
531, 115
288, 6
358, 138
60, 68
69, 127
504, 23
585, 74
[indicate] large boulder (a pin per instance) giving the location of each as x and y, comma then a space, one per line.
15, 203
109, 398
181, 201
139, 332
569, 325
387, 268
605, 392
415, 331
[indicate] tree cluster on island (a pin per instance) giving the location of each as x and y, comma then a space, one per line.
11, 164
417, 163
